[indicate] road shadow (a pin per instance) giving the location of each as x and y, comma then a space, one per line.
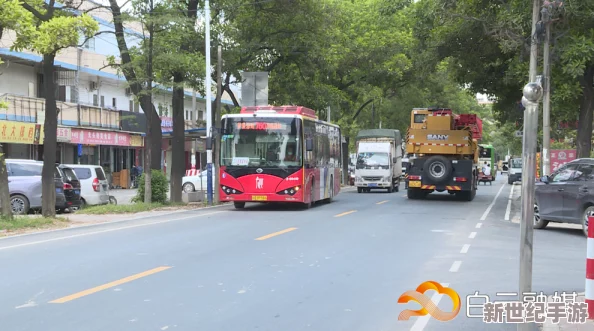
567, 230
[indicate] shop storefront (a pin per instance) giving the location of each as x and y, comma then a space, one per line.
20, 140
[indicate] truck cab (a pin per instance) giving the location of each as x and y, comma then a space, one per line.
375, 166
378, 160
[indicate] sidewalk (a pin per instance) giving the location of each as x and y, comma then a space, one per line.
565, 326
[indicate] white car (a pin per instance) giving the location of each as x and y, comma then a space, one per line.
93, 184
197, 182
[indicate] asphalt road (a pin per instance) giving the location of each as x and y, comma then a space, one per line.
338, 266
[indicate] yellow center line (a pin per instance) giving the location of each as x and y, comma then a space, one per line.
268, 236
109, 285
381, 202
345, 213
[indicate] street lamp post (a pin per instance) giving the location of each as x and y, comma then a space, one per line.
207, 86
532, 94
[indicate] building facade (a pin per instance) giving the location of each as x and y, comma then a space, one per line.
99, 120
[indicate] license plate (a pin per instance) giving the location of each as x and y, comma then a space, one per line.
414, 183
372, 184
259, 198
76, 191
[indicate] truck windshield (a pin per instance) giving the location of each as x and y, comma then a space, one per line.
372, 160
516, 163
270, 142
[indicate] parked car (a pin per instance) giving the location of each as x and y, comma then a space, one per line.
71, 188
24, 185
566, 196
197, 182
93, 184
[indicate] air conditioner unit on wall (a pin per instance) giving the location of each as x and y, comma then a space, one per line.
93, 86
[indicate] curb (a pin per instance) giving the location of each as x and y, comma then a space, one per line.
111, 222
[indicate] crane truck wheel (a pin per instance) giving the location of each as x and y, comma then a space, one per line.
438, 168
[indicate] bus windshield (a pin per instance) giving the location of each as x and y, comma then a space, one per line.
258, 142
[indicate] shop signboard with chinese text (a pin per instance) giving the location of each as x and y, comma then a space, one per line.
21, 133
136, 141
93, 137
561, 156
64, 135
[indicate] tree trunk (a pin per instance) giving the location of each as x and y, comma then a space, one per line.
156, 141
584, 134
48, 186
4, 191
178, 141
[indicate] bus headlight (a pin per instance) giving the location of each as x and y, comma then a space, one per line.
289, 191
229, 190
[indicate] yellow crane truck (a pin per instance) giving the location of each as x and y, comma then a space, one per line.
443, 153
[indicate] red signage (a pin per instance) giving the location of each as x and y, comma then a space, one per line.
561, 156
92, 137
260, 126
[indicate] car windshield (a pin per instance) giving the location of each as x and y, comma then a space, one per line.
270, 142
372, 159
516, 163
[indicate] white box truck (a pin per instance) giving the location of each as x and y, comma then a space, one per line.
379, 160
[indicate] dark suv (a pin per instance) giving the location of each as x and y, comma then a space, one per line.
566, 196
71, 187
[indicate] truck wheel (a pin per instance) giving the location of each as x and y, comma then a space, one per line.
397, 187
438, 168
359, 189
389, 189
239, 205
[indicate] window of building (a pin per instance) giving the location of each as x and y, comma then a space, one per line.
73, 94
95, 100
200, 115
187, 115
89, 44
136, 107
114, 103
131, 104
102, 101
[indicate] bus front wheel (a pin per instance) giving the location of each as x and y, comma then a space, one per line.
239, 205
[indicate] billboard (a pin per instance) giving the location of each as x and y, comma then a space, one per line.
561, 156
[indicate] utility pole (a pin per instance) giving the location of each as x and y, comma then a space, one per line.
546, 16
328, 113
373, 115
532, 94
217, 121
208, 86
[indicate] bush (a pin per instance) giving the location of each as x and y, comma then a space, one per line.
159, 187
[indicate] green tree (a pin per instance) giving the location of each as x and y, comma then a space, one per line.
53, 28
12, 17
488, 43
137, 66
178, 63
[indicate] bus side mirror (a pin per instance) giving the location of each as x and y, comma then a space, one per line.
209, 143
308, 145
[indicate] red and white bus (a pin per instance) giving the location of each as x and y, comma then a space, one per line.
279, 154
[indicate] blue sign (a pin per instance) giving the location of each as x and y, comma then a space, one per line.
80, 150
